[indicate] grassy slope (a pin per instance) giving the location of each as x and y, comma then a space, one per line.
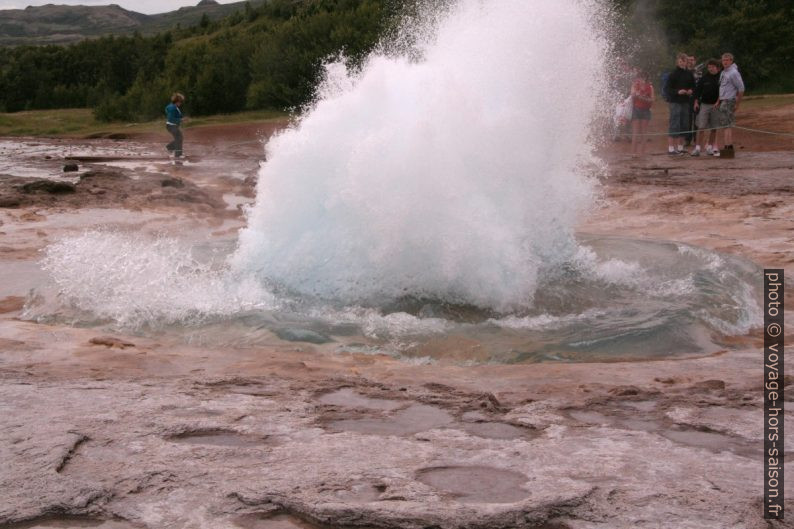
80, 123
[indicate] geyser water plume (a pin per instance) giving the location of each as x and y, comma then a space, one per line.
452, 177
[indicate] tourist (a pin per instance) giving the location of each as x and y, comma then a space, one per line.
731, 92
642, 99
680, 85
173, 121
691, 65
707, 92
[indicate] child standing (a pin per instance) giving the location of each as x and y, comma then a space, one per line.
642, 99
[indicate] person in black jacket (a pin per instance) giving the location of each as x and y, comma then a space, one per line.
680, 85
707, 92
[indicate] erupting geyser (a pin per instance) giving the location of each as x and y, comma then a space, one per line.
434, 191
451, 177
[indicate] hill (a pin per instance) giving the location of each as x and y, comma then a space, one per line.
63, 24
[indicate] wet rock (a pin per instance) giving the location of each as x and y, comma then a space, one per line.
109, 341
172, 182
9, 202
101, 175
227, 438
625, 391
709, 385
70, 167
49, 186
293, 334
487, 401
668, 380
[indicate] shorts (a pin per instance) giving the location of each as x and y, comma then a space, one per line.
679, 119
727, 113
707, 117
641, 114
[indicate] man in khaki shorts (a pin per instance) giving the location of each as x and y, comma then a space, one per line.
707, 93
731, 92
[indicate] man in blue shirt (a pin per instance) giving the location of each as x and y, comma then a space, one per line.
173, 120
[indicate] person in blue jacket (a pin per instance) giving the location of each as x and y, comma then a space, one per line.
173, 121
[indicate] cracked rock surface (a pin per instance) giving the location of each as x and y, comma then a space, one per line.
116, 431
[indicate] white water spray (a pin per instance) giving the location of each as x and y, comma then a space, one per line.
453, 177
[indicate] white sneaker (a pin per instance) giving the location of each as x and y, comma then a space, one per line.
716, 153
709, 150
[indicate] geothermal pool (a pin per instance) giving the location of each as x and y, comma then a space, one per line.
619, 299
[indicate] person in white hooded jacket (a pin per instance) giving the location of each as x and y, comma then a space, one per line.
731, 92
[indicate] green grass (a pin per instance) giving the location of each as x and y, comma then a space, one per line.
767, 101
80, 123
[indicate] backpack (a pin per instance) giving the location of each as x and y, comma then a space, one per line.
666, 95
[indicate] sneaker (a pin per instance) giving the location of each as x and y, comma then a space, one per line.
695, 152
709, 150
716, 153
672, 153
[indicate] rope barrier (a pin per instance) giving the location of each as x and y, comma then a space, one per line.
760, 131
774, 133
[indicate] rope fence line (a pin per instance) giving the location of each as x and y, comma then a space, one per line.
760, 131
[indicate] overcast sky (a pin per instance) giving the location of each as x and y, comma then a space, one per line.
141, 6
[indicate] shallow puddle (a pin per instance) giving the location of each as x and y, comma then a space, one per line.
639, 405
497, 430
476, 484
280, 521
590, 417
713, 441
361, 492
640, 424
413, 419
710, 440
350, 399
76, 522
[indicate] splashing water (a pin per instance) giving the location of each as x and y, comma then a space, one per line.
453, 177
432, 193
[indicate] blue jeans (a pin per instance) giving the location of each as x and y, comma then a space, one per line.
679, 120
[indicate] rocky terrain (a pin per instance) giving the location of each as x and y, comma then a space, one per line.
115, 430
